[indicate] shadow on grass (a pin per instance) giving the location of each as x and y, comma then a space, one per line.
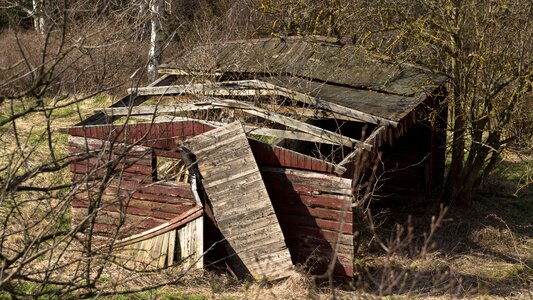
486, 249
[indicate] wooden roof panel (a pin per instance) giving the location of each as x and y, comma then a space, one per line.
312, 58
388, 106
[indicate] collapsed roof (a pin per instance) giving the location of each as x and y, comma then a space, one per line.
308, 90
318, 67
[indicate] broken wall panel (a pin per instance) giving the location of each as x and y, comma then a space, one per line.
315, 214
156, 202
241, 206
131, 201
272, 155
179, 240
164, 138
191, 244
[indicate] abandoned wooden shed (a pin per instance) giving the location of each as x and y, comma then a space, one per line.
263, 144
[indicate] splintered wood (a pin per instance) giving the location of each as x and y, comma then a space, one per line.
179, 241
240, 202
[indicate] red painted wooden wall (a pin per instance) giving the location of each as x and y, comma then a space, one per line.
315, 226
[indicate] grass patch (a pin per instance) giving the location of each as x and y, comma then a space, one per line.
128, 120
160, 294
514, 170
44, 291
182, 296
64, 112
265, 139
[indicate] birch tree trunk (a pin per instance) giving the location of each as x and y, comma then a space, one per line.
38, 16
154, 54
142, 26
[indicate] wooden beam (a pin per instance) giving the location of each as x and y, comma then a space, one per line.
325, 135
289, 110
370, 140
180, 72
126, 101
227, 88
259, 88
156, 109
344, 185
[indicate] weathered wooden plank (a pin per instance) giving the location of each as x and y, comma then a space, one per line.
114, 218
152, 135
170, 192
177, 72
171, 248
137, 208
83, 144
311, 201
264, 87
118, 195
260, 112
250, 226
155, 109
341, 183
308, 189
295, 209
271, 263
263, 249
95, 172
241, 219
370, 140
252, 214
190, 239
343, 227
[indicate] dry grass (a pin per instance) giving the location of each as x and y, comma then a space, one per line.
484, 252
101, 62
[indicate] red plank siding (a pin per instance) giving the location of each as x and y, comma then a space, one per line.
314, 222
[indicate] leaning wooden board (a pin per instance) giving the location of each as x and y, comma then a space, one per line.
240, 202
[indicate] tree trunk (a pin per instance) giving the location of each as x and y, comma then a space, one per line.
39, 22
154, 55
454, 184
142, 26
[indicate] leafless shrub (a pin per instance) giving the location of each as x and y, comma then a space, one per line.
45, 79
